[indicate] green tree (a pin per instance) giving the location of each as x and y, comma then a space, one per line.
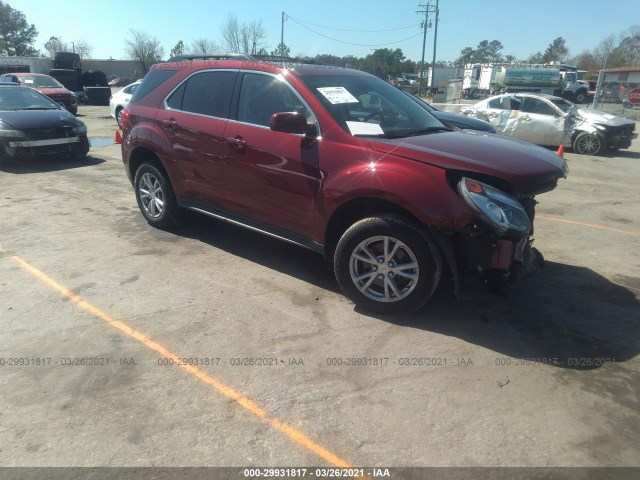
178, 49
557, 50
281, 50
486, 52
16, 35
627, 53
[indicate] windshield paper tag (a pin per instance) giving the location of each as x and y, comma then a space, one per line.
337, 95
359, 128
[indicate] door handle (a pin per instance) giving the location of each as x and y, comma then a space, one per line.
237, 143
171, 124
526, 117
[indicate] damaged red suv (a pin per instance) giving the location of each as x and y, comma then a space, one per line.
337, 161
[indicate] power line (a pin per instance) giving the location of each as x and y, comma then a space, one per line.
354, 30
351, 43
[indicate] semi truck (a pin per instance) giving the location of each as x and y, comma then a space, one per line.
554, 79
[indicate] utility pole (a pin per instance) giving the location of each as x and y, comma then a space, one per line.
435, 42
428, 8
282, 39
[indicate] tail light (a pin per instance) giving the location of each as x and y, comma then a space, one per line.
124, 118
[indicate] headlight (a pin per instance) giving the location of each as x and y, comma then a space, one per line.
6, 131
501, 211
79, 130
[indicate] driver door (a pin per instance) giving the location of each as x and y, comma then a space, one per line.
540, 123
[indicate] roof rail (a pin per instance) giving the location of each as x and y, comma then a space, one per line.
210, 56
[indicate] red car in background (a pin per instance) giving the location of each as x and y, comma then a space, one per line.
340, 162
47, 86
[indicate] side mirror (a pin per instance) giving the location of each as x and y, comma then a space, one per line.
289, 122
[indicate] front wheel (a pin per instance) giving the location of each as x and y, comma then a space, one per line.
386, 265
581, 97
589, 144
155, 196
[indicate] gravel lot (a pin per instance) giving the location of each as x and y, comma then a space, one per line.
97, 304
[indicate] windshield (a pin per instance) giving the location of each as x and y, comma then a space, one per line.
368, 106
41, 82
564, 105
20, 98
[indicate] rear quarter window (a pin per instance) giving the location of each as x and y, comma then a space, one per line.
152, 80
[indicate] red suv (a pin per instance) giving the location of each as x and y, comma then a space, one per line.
46, 85
337, 161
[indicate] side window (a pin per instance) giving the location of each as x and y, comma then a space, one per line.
208, 93
533, 105
496, 103
174, 102
263, 95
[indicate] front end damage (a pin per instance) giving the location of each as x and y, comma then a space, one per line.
496, 249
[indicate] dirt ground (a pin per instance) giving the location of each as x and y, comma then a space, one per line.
123, 345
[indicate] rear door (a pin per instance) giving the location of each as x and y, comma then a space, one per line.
194, 119
272, 177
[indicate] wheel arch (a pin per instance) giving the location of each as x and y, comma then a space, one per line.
357, 209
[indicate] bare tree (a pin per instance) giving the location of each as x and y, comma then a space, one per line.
83, 49
604, 49
230, 30
143, 48
55, 45
204, 45
257, 35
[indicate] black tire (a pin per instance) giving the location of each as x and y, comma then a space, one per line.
409, 246
155, 196
580, 97
589, 144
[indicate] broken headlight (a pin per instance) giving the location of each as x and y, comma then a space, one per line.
501, 211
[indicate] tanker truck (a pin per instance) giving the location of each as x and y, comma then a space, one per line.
560, 80
553, 79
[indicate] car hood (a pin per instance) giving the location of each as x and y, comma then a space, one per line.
53, 91
462, 121
529, 169
28, 119
602, 118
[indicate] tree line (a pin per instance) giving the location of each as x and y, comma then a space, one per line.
17, 38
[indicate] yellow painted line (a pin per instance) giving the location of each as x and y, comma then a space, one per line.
590, 225
297, 436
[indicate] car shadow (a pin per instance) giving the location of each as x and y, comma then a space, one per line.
52, 164
564, 315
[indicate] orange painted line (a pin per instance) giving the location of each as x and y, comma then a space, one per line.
295, 435
590, 225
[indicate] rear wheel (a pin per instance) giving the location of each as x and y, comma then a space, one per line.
155, 196
589, 144
386, 265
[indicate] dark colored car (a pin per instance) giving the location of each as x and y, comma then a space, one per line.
337, 161
46, 85
454, 120
32, 125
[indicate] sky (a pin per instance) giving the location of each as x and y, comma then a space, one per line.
354, 27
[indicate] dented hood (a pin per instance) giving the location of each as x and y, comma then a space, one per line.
601, 118
529, 169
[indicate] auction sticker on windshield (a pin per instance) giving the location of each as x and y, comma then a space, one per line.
337, 95
360, 128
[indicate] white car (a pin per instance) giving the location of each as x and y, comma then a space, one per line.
552, 121
120, 99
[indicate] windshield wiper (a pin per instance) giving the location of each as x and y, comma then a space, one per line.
40, 108
421, 131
